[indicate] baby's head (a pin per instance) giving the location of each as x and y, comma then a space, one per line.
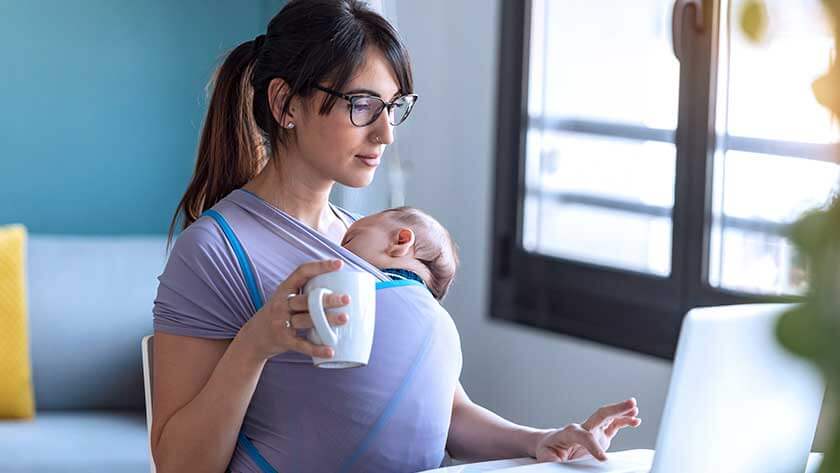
406, 238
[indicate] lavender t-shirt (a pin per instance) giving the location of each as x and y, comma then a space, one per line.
303, 418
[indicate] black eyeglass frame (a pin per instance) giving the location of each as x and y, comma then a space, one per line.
389, 105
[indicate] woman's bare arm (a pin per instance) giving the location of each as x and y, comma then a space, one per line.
202, 389
478, 434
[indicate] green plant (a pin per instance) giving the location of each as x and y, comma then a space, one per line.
812, 329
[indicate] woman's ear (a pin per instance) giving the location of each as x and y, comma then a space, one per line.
402, 243
278, 91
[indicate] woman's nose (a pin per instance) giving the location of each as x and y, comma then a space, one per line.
382, 129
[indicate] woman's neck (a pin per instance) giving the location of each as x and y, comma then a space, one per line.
303, 197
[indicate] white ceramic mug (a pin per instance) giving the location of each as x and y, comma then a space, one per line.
352, 341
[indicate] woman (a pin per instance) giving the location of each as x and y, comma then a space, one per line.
292, 112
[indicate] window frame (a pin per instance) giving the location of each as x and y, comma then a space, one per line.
617, 307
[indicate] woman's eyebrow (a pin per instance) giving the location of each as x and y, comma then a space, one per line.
370, 92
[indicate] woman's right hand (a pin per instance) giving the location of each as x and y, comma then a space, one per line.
266, 333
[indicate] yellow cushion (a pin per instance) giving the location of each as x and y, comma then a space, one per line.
17, 400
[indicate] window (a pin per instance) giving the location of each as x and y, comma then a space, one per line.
639, 176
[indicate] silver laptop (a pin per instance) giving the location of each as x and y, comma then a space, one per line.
738, 401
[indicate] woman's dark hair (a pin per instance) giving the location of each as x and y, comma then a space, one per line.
308, 42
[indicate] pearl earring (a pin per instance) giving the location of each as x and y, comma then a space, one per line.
290, 125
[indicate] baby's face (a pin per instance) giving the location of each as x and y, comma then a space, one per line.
369, 238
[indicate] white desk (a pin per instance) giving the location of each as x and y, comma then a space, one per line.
627, 461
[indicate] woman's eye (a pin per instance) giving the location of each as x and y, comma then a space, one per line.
362, 107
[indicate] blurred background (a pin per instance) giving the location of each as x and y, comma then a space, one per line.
102, 105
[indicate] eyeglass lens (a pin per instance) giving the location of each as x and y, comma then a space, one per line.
365, 110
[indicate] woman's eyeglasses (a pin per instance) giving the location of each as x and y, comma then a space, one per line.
365, 109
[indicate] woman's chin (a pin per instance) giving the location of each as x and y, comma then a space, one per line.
359, 179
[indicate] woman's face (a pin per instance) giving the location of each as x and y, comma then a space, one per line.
335, 148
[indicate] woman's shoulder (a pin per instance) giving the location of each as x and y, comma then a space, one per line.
199, 252
200, 293
205, 233
199, 237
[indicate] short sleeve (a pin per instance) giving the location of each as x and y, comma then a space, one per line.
202, 292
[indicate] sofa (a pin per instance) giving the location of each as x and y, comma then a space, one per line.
90, 303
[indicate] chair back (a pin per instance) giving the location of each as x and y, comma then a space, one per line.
146, 346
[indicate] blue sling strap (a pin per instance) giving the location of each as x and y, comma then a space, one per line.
389, 410
257, 300
256, 297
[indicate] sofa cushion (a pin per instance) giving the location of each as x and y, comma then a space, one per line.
16, 399
76, 442
90, 303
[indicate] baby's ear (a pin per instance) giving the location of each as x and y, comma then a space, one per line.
401, 243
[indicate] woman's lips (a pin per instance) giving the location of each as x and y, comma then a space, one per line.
369, 160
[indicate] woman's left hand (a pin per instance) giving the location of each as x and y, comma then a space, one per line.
593, 437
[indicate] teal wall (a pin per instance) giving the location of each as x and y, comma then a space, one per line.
102, 103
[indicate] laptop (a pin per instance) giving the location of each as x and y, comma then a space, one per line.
738, 402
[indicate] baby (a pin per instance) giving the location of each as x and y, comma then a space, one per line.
406, 243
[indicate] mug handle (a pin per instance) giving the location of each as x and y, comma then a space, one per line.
319, 317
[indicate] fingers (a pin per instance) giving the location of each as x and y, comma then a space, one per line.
305, 272
310, 349
585, 439
609, 411
620, 423
296, 343
300, 302
303, 320
556, 455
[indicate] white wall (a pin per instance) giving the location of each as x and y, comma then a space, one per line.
526, 375
529, 376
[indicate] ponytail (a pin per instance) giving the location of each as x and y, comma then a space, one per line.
231, 150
